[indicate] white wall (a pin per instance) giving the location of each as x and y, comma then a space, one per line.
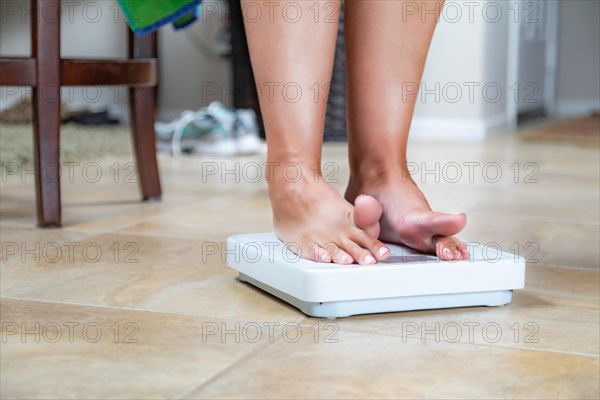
97, 29
466, 65
578, 78
467, 57
477, 50
89, 29
188, 77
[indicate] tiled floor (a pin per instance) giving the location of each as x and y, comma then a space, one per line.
134, 300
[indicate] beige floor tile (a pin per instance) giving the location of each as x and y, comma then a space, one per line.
213, 219
541, 241
580, 284
573, 199
531, 321
506, 150
533, 208
22, 246
100, 197
89, 352
175, 286
144, 273
97, 208
30, 238
212, 173
558, 310
375, 366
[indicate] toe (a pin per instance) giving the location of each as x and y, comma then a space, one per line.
367, 212
315, 253
377, 248
341, 257
443, 224
449, 248
464, 251
360, 255
338, 255
448, 224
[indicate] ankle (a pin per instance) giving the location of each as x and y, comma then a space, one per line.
298, 172
284, 178
374, 174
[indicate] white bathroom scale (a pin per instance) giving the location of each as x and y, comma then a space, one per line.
406, 281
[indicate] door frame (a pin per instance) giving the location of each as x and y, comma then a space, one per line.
550, 63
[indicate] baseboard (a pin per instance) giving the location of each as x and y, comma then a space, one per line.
458, 129
455, 129
168, 114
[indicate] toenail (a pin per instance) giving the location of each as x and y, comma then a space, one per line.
448, 254
383, 251
369, 260
345, 259
325, 258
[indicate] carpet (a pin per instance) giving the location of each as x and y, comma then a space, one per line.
77, 143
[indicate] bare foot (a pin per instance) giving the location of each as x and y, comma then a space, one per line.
319, 224
407, 218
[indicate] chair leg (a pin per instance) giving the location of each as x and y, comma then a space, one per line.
45, 36
142, 114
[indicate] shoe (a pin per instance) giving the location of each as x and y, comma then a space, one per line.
193, 132
246, 132
241, 123
215, 130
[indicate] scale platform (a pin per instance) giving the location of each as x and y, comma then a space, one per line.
406, 281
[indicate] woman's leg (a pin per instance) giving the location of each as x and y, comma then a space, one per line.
290, 59
386, 50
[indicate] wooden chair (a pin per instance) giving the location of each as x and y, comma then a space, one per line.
46, 72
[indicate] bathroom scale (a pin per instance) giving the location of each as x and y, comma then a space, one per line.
407, 280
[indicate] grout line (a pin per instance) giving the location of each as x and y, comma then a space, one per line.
568, 267
16, 225
90, 233
184, 205
571, 353
188, 205
230, 367
196, 238
135, 310
155, 235
32, 227
562, 295
299, 322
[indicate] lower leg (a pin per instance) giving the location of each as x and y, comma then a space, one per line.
290, 60
386, 51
